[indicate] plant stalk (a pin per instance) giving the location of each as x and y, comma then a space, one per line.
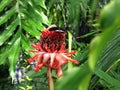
70, 65
50, 79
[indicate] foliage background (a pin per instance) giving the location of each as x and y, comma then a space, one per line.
96, 37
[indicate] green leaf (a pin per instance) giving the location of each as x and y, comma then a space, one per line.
109, 26
4, 54
13, 52
85, 82
95, 51
31, 30
13, 56
4, 3
73, 79
8, 31
110, 15
7, 15
26, 44
103, 75
42, 4
6, 49
33, 74
45, 19
109, 56
37, 13
39, 27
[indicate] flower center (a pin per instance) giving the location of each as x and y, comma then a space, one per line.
52, 41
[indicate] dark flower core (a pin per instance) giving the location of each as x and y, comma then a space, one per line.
52, 41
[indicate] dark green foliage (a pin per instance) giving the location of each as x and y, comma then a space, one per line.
20, 20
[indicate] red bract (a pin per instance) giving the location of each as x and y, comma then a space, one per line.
51, 52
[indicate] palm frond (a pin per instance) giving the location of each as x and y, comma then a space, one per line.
23, 19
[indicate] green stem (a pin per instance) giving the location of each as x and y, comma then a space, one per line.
50, 80
70, 65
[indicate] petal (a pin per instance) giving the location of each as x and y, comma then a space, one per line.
55, 64
52, 58
62, 48
34, 45
38, 67
33, 50
70, 59
39, 59
61, 60
32, 58
73, 52
46, 57
46, 47
59, 72
40, 48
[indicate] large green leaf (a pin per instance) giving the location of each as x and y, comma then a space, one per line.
4, 54
19, 22
7, 15
42, 4
26, 44
108, 57
4, 3
109, 26
13, 56
103, 75
31, 30
74, 79
39, 27
105, 47
8, 31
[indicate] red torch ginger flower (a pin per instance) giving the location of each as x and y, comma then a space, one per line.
50, 51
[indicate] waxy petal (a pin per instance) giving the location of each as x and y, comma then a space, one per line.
39, 59
32, 58
59, 72
52, 58
46, 57
61, 60
70, 59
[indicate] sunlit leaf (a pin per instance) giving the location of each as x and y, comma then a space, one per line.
13, 56
108, 57
7, 15
42, 4
4, 3
73, 79
26, 44
109, 28
39, 27
8, 31
31, 30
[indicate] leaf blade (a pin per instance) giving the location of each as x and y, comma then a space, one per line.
4, 3
8, 31
7, 15
107, 78
13, 57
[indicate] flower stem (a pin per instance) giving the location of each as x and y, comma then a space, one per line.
70, 65
50, 80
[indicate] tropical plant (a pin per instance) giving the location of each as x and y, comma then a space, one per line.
20, 22
81, 76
